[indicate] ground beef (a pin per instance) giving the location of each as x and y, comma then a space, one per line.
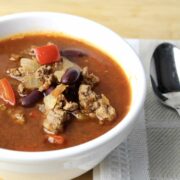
105, 111
56, 117
79, 115
89, 78
87, 99
42, 71
54, 121
19, 118
70, 106
16, 73
45, 75
21, 90
95, 105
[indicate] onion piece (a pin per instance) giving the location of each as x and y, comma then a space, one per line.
51, 99
30, 82
59, 74
64, 66
68, 64
29, 65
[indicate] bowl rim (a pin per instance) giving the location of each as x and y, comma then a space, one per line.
33, 157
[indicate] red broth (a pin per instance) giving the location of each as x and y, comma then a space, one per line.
30, 136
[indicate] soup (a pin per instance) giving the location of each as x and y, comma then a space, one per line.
57, 92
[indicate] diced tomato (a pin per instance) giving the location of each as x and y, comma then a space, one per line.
55, 139
6, 92
47, 54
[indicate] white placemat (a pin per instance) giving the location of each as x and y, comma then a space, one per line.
152, 150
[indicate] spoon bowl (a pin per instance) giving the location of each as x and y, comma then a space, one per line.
165, 75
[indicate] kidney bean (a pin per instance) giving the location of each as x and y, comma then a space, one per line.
72, 52
48, 91
71, 76
71, 93
31, 98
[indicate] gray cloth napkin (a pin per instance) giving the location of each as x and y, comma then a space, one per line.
152, 150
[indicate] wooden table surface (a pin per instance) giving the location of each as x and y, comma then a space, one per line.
158, 19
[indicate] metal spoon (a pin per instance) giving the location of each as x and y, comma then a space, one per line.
165, 75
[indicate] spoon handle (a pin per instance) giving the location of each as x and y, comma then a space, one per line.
178, 110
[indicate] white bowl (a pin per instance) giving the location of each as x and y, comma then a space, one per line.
72, 162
